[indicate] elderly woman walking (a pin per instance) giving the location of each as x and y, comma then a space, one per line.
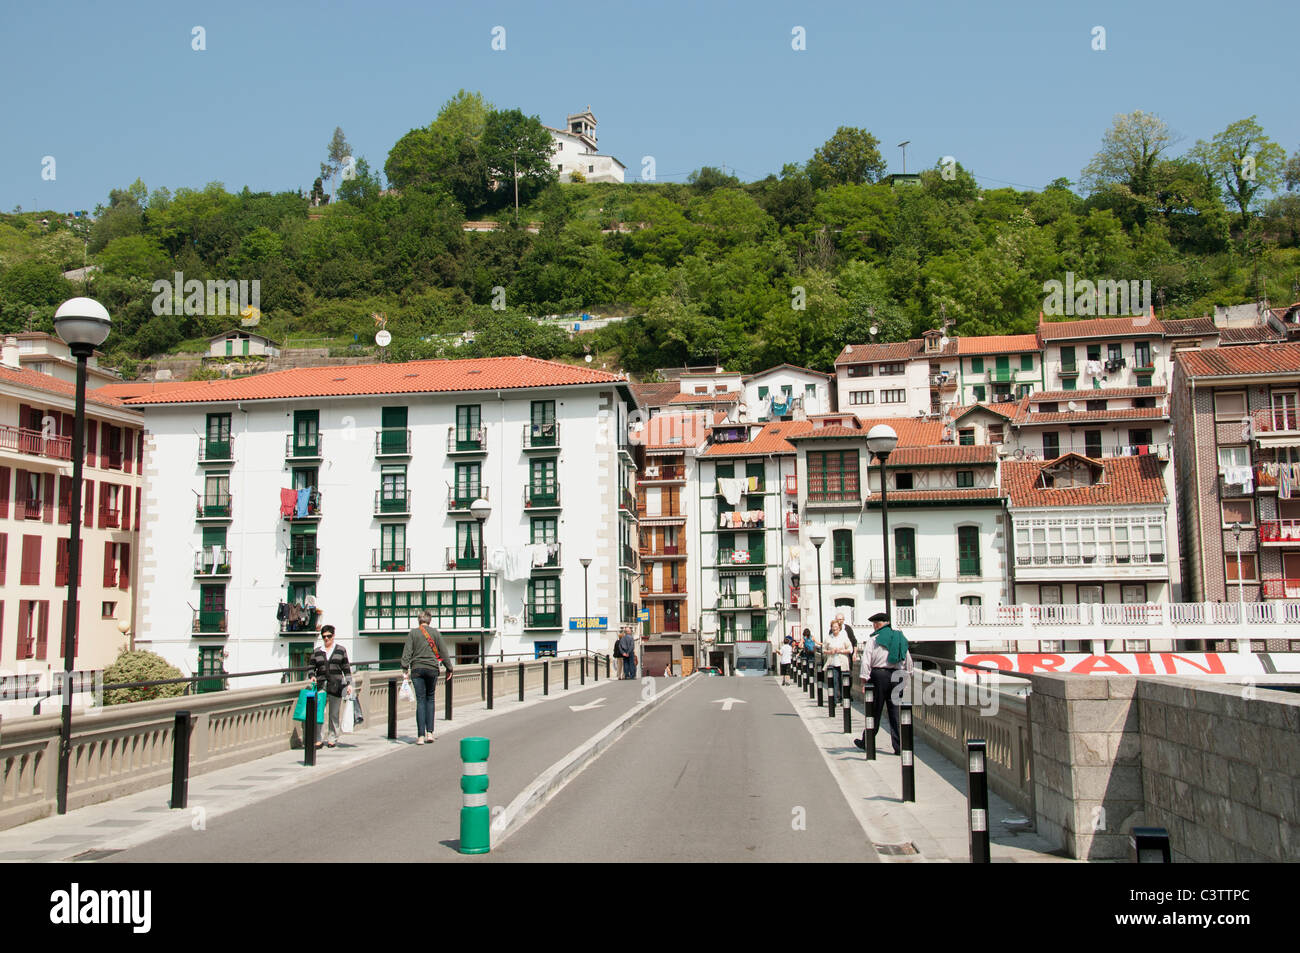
838, 650
424, 652
333, 674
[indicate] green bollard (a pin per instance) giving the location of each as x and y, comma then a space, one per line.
475, 815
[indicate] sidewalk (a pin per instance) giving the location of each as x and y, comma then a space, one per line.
100, 830
934, 827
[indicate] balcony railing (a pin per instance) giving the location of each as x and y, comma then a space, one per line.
792, 484
312, 511
759, 485
628, 614
210, 621
467, 441
627, 500
456, 560
542, 616
1160, 451
109, 517
553, 557
627, 555
736, 634
996, 375
304, 561
1280, 531
461, 497
392, 503
1278, 420
541, 436
663, 472
213, 506
1069, 370
741, 557
22, 440
541, 497
390, 561
671, 512
742, 600
393, 442
214, 451
792, 521
1089, 559
669, 588
926, 568
1279, 587
303, 447
648, 552
834, 491
206, 565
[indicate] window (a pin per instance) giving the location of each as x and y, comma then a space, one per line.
862, 397
1051, 445
905, 551
1094, 352
862, 370
1069, 383
1144, 380
1024, 390
1229, 405
1233, 457
216, 494
832, 476
1139, 438
965, 479
892, 370
218, 438
30, 572
1067, 358
1092, 443
542, 489
1247, 573
980, 393
392, 490
306, 433
468, 482
1049, 407
107, 610
1026, 362
467, 554
1238, 511
468, 423
842, 553
1095, 405
902, 481
542, 418
977, 365
1144, 402
995, 434
392, 547
966, 437
211, 662
968, 550
1142, 354
893, 396
1114, 352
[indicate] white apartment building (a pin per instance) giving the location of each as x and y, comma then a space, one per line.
279, 502
787, 391
46, 354
36, 425
574, 149
1105, 353
889, 380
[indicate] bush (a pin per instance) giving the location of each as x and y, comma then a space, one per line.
140, 667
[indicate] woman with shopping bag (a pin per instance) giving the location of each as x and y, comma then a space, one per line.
424, 652
333, 675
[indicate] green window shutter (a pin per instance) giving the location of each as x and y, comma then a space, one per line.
977, 365
968, 550
905, 550
842, 552
1067, 358
726, 471
1068, 383
762, 393
1026, 362
979, 393
214, 536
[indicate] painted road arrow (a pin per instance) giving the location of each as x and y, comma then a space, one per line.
728, 702
598, 703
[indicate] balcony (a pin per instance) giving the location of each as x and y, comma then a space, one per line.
212, 568
735, 634
1279, 587
309, 512
672, 589
668, 552
995, 375
209, 621
628, 614
213, 506
392, 503
792, 521
303, 448
747, 485
460, 498
1280, 532
552, 561
544, 497
734, 601
456, 561
396, 561
1040, 566
756, 520
924, 569
20, 440
626, 500
792, 484
110, 517
392, 442
305, 562
466, 442
542, 616
835, 492
663, 473
627, 556
794, 596
1069, 370
1161, 451
215, 451
734, 558
541, 436
1279, 426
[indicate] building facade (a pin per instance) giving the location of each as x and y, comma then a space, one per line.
574, 150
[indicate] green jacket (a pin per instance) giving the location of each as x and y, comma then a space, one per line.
417, 654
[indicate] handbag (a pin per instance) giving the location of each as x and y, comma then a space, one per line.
346, 716
300, 709
433, 647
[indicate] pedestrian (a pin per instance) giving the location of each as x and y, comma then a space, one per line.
422, 655
627, 651
848, 629
787, 655
333, 675
838, 649
886, 661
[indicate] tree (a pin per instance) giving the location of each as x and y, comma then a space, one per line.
1292, 174
141, 666
850, 157
445, 154
707, 179
1244, 160
1129, 152
337, 154
517, 148
361, 189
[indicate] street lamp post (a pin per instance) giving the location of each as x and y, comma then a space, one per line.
586, 611
817, 539
481, 509
881, 440
83, 324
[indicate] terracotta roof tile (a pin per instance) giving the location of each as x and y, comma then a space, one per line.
1146, 325
53, 385
1189, 327
728, 398
656, 395
834, 432
876, 353
1255, 335
945, 455
1127, 481
1109, 393
997, 344
1082, 416
912, 431
920, 496
412, 377
1002, 410
1233, 361
772, 438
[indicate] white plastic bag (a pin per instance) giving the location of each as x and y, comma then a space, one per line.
345, 716
407, 693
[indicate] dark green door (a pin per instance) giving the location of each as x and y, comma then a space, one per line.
210, 663
905, 551
306, 431
393, 430
968, 550
542, 484
543, 423
1003, 373
468, 421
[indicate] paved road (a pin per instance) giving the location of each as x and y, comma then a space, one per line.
691, 782
404, 806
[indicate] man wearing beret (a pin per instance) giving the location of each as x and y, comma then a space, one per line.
886, 661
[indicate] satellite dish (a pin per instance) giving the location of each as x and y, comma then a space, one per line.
874, 329
1155, 348
587, 358
848, 349
943, 341
384, 338
1072, 405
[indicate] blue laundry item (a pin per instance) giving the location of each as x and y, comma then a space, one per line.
303, 497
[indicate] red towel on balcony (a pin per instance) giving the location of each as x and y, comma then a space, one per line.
288, 502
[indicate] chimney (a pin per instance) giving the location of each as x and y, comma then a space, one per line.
10, 355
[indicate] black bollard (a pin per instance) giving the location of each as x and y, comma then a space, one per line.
491, 692
595, 668
392, 709
832, 683
869, 732
181, 761
521, 681
846, 681
447, 703
309, 732
566, 674
582, 670
977, 800
909, 769
607, 666
821, 685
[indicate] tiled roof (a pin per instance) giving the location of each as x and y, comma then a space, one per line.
772, 438
1189, 327
1138, 326
830, 433
791, 367
728, 398
1126, 481
919, 496
676, 431
412, 377
53, 385
1259, 334
1002, 410
874, 353
997, 344
948, 454
1109, 393
1081, 416
1232, 361
125, 390
656, 395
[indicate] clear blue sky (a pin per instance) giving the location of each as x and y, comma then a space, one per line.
1013, 90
